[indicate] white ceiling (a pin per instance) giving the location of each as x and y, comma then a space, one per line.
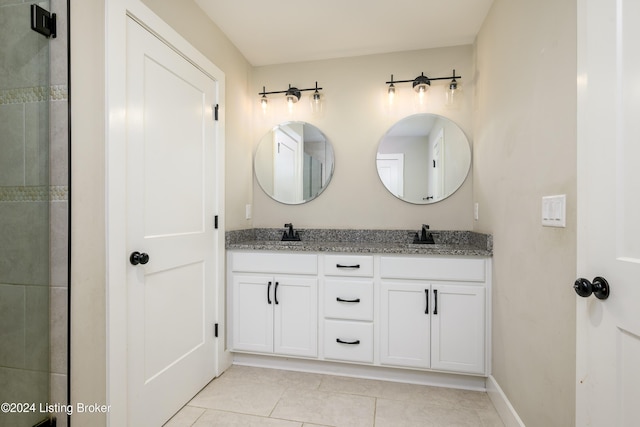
282, 31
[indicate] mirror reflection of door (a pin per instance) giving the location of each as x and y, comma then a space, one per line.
391, 171
436, 177
294, 162
437, 158
288, 164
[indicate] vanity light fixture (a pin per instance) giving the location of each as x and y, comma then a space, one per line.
292, 95
422, 83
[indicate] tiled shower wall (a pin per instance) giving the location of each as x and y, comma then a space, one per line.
33, 210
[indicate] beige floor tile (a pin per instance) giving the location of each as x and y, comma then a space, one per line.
395, 413
318, 407
490, 418
229, 394
357, 386
213, 418
185, 417
407, 392
274, 376
440, 396
248, 396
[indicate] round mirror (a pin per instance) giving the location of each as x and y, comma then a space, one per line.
294, 162
423, 158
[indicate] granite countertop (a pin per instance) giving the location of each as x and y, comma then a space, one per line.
460, 243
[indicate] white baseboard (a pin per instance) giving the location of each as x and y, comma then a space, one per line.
507, 413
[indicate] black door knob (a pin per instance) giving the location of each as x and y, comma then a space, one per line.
138, 258
599, 287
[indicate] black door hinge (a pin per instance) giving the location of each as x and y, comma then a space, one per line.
215, 330
215, 112
215, 222
43, 22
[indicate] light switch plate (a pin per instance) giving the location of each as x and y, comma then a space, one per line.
554, 211
247, 211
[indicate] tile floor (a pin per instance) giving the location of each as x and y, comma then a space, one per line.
247, 396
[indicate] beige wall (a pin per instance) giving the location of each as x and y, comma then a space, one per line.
525, 148
355, 117
88, 303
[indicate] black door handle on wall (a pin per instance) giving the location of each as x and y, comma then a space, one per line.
435, 297
268, 293
275, 293
599, 288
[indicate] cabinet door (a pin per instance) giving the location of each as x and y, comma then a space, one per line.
253, 313
296, 316
405, 324
458, 328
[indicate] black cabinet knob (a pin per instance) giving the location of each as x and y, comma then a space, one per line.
138, 258
599, 287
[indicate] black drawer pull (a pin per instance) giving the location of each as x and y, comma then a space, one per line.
275, 293
268, 292
356, 342
348, 266
347, 300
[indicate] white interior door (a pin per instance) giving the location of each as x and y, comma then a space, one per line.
608, 331
437, 175
391, 172
171, 203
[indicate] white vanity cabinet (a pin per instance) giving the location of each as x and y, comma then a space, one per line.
273, 303
433, 313
424, 312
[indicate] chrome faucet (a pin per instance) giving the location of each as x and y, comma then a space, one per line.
290, 235
425, 236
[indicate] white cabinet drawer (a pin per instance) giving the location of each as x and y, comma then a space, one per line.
352, 341
433, 268
348, 265
348, 299
275, 263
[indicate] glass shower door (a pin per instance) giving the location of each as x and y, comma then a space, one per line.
24, 216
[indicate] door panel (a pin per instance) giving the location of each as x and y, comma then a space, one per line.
171, 201
172, 335
172, 174
608, 330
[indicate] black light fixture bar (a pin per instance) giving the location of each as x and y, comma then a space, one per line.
291, 89
428, 78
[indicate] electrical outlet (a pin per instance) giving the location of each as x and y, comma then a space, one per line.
476, 211
247, 211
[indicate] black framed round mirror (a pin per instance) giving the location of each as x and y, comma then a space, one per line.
294, 162
423, 158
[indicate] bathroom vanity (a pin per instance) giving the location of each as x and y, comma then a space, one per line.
362, 297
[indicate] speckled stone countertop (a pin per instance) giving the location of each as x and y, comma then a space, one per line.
460, 243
